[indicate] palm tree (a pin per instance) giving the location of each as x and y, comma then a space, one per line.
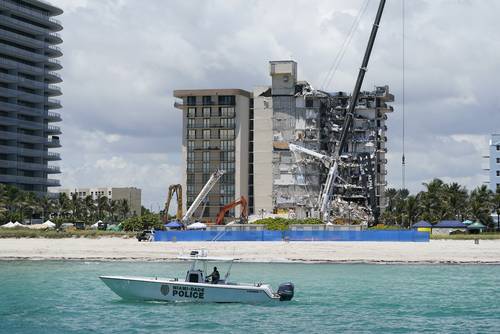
457, 200
102, 206
481, 202
63, 205
411, 209
75, 205
123, 208
112, 208
90, 208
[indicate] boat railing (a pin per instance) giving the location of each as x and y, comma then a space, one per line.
219, 235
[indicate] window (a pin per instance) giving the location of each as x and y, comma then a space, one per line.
309, 103
226, 134
215, 112
206, 156
227, 155
206, 144
190, 166
191, 100
191, 145
229, 100
498, 160
227, 122
207, 100
191, 112
206, 112
227, 145
206, 134
498, 147
498, 172
190, 156
215, 134
191, 134
190, 122
206, 167
206, 122
227, 112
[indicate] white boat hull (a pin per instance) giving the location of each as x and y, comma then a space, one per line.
156, 289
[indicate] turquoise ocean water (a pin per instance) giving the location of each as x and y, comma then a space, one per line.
68, 297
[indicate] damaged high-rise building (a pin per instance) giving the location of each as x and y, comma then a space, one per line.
292, 112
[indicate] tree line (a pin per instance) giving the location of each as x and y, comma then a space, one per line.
19, 205
441, 201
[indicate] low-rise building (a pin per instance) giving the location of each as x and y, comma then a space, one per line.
131, 194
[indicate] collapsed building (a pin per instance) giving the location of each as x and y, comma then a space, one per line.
248, 135
291, 111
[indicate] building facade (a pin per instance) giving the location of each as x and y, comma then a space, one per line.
291, 111
28, 65
215, 136
494, 162
266, 121
131, 194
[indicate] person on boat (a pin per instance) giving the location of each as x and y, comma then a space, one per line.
215, 276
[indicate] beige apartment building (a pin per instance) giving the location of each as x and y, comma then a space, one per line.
214, 136
131, 194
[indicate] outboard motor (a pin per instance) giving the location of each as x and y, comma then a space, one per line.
285, 291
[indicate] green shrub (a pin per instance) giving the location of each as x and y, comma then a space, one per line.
280, 224
144, 222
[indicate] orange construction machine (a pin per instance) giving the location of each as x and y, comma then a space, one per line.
244, 210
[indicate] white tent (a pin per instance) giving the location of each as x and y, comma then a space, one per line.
8, 225
17, 224
197, 226
94, 226
38, 227
329, 224
49, 224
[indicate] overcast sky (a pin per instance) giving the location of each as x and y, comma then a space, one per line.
123, 59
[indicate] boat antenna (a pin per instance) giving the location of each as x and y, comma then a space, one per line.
403, 162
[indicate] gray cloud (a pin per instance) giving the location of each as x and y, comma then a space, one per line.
123, 58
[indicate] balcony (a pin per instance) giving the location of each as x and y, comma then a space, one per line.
23, 54
53, 156
21, 39
53, 64
37, 15
9, 64
53, 143
53, 103
54, 77
52, 129
29, 180
54, 116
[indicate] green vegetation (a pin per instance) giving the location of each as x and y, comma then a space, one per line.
281, 224
144, 222
53, 234
441, 201
19, 205
482, 236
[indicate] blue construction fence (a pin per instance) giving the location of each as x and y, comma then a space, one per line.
369, 235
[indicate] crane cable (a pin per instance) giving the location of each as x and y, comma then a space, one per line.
403, 162
344, 46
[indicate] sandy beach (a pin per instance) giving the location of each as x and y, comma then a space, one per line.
435, 251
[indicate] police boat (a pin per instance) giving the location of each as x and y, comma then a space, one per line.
196, 287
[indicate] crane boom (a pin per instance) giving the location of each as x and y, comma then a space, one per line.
357, 87
325, 159
332, 162
203, 193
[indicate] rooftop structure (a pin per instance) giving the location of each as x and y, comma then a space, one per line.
28, 65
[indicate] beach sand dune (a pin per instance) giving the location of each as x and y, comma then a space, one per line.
435, 251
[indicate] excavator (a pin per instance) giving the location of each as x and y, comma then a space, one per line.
244, 210
177, 190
